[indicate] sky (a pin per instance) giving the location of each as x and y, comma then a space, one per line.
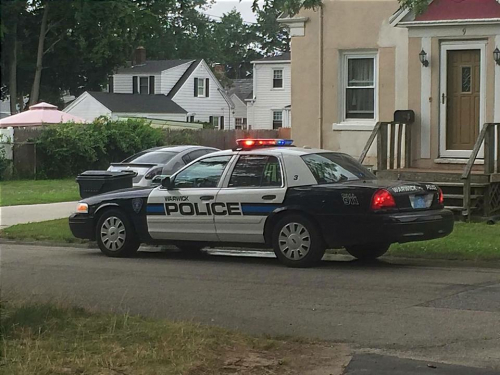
225, 6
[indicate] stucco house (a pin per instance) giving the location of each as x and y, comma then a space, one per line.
354, 63
269, 106
180, 90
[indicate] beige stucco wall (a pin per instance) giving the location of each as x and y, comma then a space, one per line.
357, 25
348, 26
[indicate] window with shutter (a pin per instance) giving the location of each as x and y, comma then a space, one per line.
143, 85
207, 88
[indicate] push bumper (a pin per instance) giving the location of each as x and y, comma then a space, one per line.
82, 226
415, 226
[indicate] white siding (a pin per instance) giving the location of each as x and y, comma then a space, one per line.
87, 107
170, 77
203, 108
266, 97
123, 82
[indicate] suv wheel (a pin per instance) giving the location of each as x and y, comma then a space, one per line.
297, 242
115, 235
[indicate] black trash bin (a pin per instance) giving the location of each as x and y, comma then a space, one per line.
98, 182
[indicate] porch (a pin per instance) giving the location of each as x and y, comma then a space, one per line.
470, 190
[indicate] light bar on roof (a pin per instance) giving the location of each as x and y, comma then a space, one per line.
258, 142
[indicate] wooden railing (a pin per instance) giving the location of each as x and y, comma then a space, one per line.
391, 137
491, 166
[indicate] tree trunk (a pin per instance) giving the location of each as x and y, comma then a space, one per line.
35, 90
13, 73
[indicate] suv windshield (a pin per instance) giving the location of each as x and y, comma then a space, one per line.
330, 167
155, 157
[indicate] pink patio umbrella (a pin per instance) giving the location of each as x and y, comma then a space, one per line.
39, 114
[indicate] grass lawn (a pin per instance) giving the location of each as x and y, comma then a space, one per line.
40, 338
469, 241
13, 193
51, 230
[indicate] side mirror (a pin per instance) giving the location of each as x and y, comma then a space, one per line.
166, 183
158, 179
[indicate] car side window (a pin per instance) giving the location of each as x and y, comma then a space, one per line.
256, 171
205, 173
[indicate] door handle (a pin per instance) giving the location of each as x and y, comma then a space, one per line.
269, 197
206, 197
443, 98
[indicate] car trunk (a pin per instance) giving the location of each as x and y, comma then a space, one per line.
139, 169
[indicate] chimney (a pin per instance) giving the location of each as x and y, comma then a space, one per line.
139, 57
220, 68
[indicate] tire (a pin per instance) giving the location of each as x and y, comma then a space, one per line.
368, 252
297, 242
115, 235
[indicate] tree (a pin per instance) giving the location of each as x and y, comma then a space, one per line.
418, 6
273, 36
234, 40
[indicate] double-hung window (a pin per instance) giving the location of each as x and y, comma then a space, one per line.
201, 87
359, 86
277, 119
277, 78
143, 85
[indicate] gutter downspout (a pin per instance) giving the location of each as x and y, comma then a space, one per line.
320, 77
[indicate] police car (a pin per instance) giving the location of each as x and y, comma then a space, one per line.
265, 192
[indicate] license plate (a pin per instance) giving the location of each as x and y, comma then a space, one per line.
418, 201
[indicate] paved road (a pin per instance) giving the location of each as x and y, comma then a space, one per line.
448, 314
12, 215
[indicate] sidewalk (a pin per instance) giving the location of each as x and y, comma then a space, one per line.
12, 215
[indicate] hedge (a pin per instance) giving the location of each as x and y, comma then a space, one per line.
68, 149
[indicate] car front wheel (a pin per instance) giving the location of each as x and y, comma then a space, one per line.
297, 242
368, 252
115, 235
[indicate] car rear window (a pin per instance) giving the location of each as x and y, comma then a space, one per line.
331, 167
154, 157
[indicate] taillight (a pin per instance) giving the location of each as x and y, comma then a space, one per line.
382, 199
440, 196
153, 172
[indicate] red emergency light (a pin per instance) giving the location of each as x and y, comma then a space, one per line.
256, 142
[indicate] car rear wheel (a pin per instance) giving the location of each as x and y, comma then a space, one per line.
115, 235
368, 252
297, 242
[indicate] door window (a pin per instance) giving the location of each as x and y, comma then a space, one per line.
204, 174
256, 171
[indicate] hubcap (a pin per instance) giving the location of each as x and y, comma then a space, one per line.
113, 233
294, 241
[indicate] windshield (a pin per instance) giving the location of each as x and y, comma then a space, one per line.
154, 157
332, 167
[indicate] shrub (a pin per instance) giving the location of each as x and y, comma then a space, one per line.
68, 149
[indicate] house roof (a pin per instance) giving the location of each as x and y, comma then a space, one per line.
440, 10
152, 66
450, 11
241, 88
286, 56
183, 78
136, 103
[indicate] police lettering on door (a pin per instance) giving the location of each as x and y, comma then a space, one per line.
181, 206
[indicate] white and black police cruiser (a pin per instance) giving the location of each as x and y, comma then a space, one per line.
299, 201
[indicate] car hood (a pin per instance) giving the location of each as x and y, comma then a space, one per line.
135, 192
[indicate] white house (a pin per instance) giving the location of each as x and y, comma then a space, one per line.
180, 90
270, 105
239, 92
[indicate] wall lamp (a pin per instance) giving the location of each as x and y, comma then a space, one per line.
496, 55
423, 58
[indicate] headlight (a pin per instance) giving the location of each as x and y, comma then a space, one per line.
82, 208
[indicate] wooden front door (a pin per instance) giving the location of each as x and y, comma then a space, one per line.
463, 99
